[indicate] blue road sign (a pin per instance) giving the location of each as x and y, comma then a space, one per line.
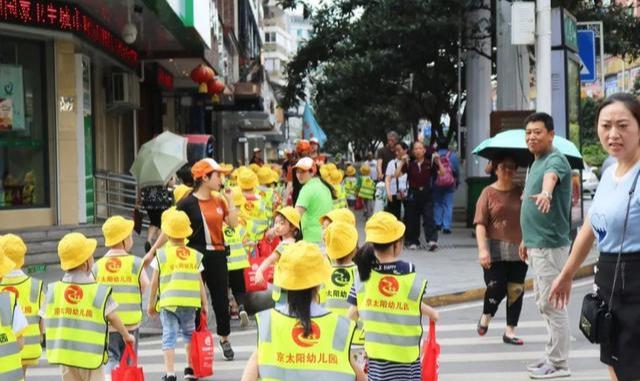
587, 53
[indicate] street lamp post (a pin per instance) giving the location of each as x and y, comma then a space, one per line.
543, 56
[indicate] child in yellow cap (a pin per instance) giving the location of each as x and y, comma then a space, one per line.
287, 227
342, 215
13, 327
350, 185
177, 290
30, 296
388, 300
366, 189
77, 311
317, 340
124, 273
254, 207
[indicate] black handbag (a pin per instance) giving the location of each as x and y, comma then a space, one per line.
597, 318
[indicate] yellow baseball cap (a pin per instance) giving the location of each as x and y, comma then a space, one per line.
254, 167
330, 166
351, 171
247, 179
265, 175
237, 196
383, 227
341, 239
74, 249
301, 266
14, 248
290, 214
365, 170
180, 192
116, 229
6, 265
340, 214
176, 224
336, 176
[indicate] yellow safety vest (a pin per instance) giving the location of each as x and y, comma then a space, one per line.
234, 238
267, 194
336, 291
285, 355
29, 292
179, 277
350, 185
367, 188
389, 306
257, 221
341, 200
10, 358
122, 274
76, 325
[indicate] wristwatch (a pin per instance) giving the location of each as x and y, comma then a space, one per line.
547, 195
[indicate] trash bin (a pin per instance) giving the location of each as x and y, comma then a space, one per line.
475, 185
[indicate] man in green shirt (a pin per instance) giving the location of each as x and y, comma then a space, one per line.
314, 201
545, 223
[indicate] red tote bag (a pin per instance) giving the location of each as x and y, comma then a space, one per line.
250, 284
126, 372
430, 355
202, 347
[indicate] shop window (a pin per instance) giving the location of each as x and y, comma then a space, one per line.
23, 125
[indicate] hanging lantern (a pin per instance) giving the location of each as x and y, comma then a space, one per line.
202, 74
203, 88
215, 86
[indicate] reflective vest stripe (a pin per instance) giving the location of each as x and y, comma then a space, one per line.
382, 317
101, 296
6, 314
75, 346
33, 319
404, 341
275, 373
417, 288
36, 290
9, 349
264, 325
341, 336
334, 304
29, 291
180, 276
75, 324
128, 307
181, 294
122, 289
236, 259
12, 375
31, 340
161, 256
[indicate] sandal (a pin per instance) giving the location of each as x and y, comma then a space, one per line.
482, 329
512, 340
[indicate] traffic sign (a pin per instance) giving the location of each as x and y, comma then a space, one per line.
587, 53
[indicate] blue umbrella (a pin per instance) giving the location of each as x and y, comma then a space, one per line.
512, 143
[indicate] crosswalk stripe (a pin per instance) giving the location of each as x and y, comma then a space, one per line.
470, 341
590, 375
149, 368
510, 356
473, 327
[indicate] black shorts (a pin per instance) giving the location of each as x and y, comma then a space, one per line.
624, 352
155, 217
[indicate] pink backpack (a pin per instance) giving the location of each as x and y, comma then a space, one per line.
446, 180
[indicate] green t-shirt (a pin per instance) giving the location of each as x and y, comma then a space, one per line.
316, 199
549, 230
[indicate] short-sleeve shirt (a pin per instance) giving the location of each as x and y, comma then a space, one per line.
316, 199
400, 182
550, 230
608, 210
212, 212
386, 155
499, 212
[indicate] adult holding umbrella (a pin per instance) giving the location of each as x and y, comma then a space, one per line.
154, 167
207, 211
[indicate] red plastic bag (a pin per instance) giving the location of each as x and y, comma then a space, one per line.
250, 284
267, 246
202, 347
126, 372
359, 204
431, 352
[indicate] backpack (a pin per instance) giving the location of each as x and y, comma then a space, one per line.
446, 180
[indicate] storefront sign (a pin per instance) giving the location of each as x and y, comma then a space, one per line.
67, 18
11, 98
164, 78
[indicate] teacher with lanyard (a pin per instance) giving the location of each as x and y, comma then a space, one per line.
207, 211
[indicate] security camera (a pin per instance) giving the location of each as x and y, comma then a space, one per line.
129, 33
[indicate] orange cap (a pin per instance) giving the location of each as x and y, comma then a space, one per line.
205, 167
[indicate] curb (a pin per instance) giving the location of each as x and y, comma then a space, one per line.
478, 293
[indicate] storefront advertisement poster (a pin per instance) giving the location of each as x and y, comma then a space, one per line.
11, 98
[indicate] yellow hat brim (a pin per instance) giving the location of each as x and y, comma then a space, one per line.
86, 253
289, 280
391, 235
178, 233
288, 215
121, 236
343, 251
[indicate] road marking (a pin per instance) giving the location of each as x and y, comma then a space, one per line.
470, 341
590, 375
149, 368
510, 356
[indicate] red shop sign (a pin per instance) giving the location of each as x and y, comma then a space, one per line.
67, 17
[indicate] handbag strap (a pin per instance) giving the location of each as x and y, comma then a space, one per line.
129, 354
624, 233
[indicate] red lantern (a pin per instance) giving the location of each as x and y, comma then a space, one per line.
202, 74
215, 86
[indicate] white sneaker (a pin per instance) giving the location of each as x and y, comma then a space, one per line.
548, 371
535, 365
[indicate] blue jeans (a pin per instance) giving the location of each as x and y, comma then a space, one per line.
443, 207
182, 320
116, 349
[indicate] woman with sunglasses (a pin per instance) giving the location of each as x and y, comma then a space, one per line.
498, 234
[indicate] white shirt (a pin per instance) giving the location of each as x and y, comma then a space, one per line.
400, 181
373, 164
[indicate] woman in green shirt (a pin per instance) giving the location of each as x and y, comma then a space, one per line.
314, 201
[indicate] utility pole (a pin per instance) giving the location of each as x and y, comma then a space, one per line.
512, 64
543, 56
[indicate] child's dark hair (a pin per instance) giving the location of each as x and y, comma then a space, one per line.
300, 307
184, 174
366, 259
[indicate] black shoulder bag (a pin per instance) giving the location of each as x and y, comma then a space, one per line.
597, 320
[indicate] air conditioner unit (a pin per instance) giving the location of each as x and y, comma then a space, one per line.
124, 91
